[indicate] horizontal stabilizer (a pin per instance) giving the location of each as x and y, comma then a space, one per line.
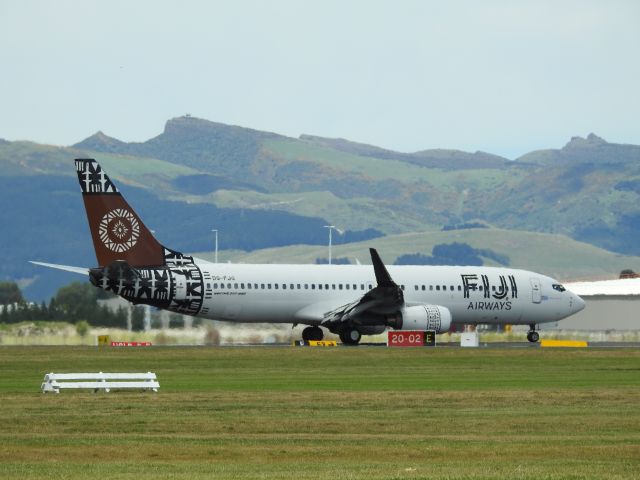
66, 268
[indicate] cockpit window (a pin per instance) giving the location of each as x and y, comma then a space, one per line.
558, 287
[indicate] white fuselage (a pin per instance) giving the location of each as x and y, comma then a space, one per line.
302, 293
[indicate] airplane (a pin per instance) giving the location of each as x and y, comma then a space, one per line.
346, 300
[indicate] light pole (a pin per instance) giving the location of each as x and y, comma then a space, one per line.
330, 227
216, 232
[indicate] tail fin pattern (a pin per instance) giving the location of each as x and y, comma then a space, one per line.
118, 233
131, 262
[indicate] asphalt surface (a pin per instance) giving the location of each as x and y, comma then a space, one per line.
510, 345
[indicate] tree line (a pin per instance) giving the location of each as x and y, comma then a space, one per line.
72, 303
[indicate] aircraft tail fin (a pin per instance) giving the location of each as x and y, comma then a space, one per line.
117, 231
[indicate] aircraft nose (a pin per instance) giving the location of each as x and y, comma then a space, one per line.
577, 303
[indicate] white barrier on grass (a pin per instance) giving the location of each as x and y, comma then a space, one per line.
53, 382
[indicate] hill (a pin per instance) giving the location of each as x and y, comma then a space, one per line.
587, 190
263, 190
554, 255
438, 158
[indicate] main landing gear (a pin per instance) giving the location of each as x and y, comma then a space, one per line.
350, 336
532, 335
312, 334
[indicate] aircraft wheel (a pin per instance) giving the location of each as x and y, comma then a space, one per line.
350, 336
312, 334
533, 336
307, 333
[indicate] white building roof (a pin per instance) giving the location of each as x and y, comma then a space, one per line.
623, 286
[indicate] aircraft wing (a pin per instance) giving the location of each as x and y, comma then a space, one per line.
66, 268
618, 287
383, 299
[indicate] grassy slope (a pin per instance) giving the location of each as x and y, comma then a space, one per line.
554, 255
379, 169
327, 413
27, 158
357, 213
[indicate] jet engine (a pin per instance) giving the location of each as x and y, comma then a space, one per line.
422, 317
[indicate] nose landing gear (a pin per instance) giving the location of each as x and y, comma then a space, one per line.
532, 335
312, 334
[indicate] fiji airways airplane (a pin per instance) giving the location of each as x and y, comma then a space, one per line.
348, 300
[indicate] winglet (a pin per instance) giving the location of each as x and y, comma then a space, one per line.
382, 275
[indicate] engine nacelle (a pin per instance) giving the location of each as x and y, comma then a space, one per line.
423, 317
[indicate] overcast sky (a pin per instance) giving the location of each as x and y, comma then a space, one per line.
505, 77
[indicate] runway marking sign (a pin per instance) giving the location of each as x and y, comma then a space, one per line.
563, 343
323, 343
315, 343
411, 338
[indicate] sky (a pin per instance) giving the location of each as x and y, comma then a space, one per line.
505, 77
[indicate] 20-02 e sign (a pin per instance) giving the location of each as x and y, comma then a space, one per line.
411, 338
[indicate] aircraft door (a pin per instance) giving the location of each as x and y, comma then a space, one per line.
536, 294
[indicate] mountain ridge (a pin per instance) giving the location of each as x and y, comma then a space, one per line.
587, 190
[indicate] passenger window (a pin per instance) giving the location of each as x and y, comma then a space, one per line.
416, 287
326, 286
346, 286
306, 286
284, 286
249, 286
438, 287
480, 288
402, 287
355, 287
319, 286
340, 287
430, 287
269, 286
262, 286
291, 286
459, 288
452, 288
275, 286
229, 286
333, 286
313, 286
242, 286
215, 285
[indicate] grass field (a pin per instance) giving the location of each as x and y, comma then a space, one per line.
340, 413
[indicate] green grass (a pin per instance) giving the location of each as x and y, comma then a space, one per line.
339, 413
385, 169
27, 158
357, 213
